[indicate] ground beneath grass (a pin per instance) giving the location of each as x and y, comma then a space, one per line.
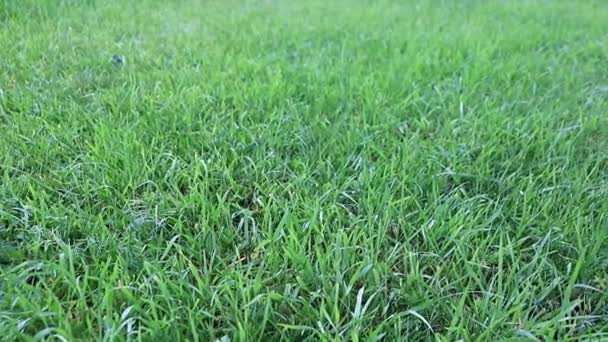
303, 170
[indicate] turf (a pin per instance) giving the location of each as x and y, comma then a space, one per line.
303, 170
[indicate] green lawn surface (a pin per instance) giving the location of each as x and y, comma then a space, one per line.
239, 170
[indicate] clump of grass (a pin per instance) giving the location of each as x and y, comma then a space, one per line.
303, 170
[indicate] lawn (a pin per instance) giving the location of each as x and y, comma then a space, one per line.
241, 170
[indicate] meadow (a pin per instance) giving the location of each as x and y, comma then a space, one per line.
240, 170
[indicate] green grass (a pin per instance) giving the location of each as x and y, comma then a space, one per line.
304, 170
